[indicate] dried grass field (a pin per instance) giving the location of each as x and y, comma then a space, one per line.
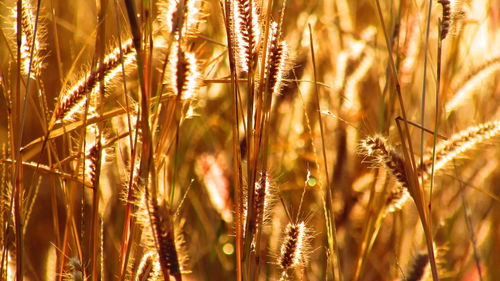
249, 140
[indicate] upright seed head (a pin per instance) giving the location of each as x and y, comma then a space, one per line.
165, 237
246, 33
276, 63
295, 246
183, 77
149, 268
28, 37
451, 13
264, 199
169, 14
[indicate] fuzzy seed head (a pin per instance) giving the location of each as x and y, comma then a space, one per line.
451, 13
28, 38
396, 200
74, 99
378, 149
277, 60
149, 268
246, 32
460, 143
294, 248
418, 268
165, 237
183, 78
466, 87
169, 13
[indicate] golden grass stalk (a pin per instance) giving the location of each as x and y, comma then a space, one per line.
73, 99
460, 143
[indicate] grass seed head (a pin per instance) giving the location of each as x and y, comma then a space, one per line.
295, 247
149, 268
29, 39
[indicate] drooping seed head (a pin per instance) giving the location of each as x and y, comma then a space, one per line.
460, 143
378, 149
74, 98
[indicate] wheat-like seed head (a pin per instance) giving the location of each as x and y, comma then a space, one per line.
452, 12
165, 237
264, 200
27, 39
277, 65
377, 148
72, 100
183, 76
167, 15
464, 89
295, 247
246, 32
460, 143
168, 11
149, 268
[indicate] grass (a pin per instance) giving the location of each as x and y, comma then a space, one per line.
249, 140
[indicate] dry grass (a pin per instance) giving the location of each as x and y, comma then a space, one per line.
249, 140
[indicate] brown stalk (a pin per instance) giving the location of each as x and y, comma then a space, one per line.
238, 196
96, 151
414, 188
328, 201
